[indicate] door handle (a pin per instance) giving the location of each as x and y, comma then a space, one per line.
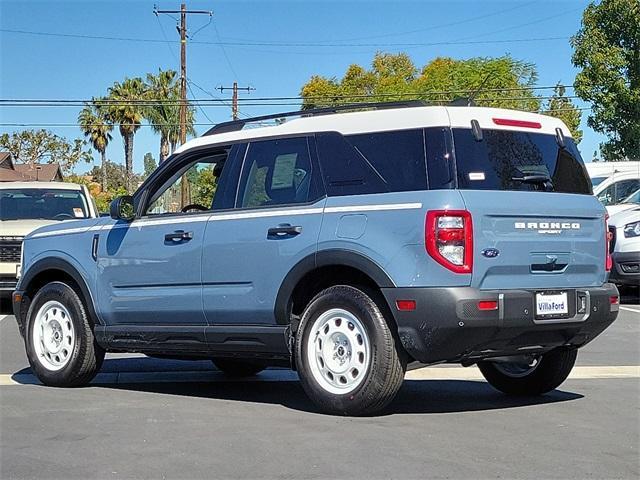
283, 231
178, 236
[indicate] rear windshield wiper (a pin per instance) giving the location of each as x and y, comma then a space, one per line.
541, 180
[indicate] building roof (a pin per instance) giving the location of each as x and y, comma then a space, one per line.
7, 169
44, 172
6, 161
387, 120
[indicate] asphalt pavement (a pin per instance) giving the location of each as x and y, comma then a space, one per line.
150, 418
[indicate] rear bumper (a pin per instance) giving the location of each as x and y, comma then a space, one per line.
447, 325
626, 268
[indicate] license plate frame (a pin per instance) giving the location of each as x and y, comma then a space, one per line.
557, 303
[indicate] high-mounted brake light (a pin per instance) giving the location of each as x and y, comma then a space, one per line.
449, 239
510, 122
608, 236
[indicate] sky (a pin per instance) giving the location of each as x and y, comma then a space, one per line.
59, 63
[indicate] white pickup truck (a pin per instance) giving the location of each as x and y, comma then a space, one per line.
26, 206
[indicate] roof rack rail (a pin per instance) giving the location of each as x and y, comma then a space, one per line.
235, 125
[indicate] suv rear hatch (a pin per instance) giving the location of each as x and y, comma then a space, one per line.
535, 223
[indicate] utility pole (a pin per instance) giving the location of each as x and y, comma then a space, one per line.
183, 78
234, 100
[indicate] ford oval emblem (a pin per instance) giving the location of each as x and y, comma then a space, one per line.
490, 252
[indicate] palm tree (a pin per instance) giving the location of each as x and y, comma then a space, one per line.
163, 90
96, 126
125, 109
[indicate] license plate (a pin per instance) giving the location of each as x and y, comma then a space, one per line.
552, 304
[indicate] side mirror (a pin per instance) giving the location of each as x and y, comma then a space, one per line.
121, 208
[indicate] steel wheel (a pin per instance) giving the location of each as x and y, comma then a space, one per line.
53, 336
338, 351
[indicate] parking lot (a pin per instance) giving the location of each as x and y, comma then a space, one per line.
149, 418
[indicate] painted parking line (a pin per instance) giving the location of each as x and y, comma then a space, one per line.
630, 309
429, 373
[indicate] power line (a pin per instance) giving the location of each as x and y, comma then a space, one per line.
106, 101
420, 30
224, 52
281, 44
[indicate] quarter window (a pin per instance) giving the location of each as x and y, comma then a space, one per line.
276, 172
373, 162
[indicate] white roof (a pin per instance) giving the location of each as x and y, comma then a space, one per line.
387, 120
58, 185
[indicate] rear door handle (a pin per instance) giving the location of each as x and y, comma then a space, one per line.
283, 231
178, 236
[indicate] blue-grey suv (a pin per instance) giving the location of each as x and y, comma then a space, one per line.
343, 245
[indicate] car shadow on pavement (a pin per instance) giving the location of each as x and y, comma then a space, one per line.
415, 396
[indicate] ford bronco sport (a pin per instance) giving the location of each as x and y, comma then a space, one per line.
342, 244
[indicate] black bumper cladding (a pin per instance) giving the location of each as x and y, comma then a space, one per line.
448, 326
626, 268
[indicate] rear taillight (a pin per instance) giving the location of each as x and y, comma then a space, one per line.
449, 239
607, 244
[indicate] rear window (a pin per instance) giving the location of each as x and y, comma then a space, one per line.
373, 162
42, 203
501, 156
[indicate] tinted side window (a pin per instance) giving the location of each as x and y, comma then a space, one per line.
494, 162
626, 188
373, 162
396, 157
276, 172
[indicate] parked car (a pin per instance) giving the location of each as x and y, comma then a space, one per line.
26, 206
625, 247
616, 188
342, 245
629, 203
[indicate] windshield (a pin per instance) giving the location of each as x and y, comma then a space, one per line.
595, 181
42, 203
633, 198
516, 160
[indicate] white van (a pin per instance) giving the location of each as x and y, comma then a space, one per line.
614, 189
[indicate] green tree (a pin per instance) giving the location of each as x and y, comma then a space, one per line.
43, 146
149, 164
500, 82
163, 92
96, 126
116, 175
607, 50
125, 109
563, 108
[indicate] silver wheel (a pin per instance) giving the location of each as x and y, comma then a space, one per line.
338, 351
53, 335
518, 369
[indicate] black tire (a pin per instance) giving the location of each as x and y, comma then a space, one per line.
86, 356
553, 369
237, 368
385, 373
